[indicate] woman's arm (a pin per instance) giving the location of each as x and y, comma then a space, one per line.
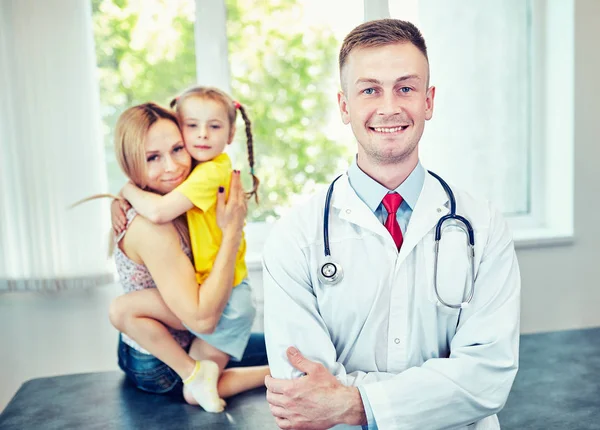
159, 248
158, 209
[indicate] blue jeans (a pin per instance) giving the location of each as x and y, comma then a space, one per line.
150, 374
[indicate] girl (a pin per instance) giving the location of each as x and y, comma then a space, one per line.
150, 151
207, 119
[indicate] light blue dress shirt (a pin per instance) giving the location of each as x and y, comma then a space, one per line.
372, 193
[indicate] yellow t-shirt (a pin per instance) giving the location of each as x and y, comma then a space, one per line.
201, 188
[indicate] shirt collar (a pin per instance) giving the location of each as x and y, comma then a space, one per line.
372, 192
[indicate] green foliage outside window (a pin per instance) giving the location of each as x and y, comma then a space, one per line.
282, 74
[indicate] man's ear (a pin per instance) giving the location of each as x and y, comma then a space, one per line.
343, 105
429, 103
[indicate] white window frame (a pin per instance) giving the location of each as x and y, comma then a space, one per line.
550, 221
551, 193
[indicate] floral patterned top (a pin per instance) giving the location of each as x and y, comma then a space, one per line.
134, 276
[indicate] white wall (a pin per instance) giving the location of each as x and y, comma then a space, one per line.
560, 288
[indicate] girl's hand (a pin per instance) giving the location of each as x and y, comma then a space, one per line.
231, 215
118, 217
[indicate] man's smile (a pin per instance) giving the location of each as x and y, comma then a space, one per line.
389, 130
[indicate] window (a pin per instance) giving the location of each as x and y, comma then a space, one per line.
492, 132
498, 65
480, 57
145, 52
283, 58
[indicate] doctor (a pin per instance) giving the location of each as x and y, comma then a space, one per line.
378, 348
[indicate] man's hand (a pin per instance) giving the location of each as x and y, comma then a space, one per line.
314, 401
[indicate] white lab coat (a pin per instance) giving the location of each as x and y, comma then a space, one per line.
381, 326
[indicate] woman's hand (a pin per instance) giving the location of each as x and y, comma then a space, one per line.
231, 215
118, 209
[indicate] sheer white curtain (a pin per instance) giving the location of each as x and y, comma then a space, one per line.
51, 152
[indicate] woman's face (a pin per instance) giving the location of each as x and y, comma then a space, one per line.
167, 161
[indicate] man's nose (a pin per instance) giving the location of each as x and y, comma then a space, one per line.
390, 104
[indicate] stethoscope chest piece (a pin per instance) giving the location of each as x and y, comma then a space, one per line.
330, 272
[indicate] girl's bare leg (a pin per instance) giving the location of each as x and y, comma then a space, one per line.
142, 315
232, 381
239, 379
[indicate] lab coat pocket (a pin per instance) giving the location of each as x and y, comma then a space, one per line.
453, 269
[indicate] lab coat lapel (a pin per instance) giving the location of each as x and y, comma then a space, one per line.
431, 206
352, 209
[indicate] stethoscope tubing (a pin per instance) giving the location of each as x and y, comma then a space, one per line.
465, 225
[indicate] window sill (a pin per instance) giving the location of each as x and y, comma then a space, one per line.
540, 238
254, 261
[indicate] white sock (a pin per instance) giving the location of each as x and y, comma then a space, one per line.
202, 384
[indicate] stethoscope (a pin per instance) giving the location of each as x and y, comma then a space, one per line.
331, 272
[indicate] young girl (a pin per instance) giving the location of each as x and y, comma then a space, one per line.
207, 119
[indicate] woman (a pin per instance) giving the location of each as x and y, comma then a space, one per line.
154, 260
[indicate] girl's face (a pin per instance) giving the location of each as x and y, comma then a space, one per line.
167, 161
206, 128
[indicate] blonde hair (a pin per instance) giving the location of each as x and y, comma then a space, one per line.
129, 143
130, 135
231, 107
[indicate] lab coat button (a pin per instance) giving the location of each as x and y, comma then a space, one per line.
348, 211
439, 210
397, 341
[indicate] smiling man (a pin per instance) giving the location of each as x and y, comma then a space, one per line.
364, 325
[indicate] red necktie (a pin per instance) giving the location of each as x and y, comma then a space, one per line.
392, 202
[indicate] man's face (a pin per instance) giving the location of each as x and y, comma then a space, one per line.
386, 101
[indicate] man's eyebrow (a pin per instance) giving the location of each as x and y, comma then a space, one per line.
378, 82
367, 81
408, 78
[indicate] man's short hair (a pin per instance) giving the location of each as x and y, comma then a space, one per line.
379, 33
